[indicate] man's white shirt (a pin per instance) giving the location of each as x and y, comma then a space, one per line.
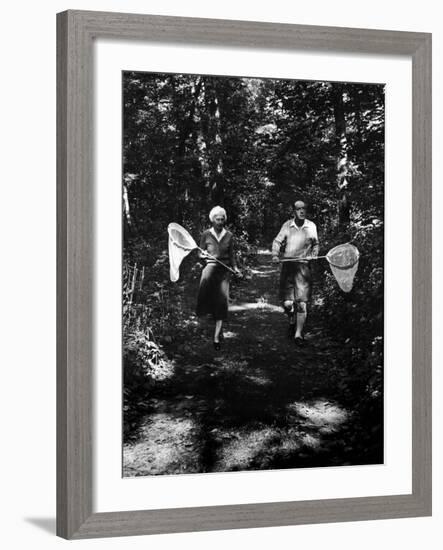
300, 240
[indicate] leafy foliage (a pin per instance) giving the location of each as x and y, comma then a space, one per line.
253, 146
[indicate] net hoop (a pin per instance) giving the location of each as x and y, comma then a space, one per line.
353, 251
187, 242
180, 245
343, 262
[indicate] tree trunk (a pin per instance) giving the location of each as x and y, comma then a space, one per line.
186, 130
342, 157
214, 144
129, 225
355, 94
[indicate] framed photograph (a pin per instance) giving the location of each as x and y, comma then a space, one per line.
244, 274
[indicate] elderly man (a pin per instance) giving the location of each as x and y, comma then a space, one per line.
299, 238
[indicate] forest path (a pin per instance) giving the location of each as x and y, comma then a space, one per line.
258, 403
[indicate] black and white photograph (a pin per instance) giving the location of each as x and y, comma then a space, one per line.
253, 273
222, 302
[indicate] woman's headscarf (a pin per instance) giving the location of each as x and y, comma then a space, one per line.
217, 211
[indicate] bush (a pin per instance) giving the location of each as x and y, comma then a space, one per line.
356, 319
144, 365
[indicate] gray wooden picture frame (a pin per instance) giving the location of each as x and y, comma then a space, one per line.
76, 31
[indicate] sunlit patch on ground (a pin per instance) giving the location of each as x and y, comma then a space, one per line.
249, 374
239, 452
323, 415
191, 322
287, 448
232, 365
229, 334
263, 448
258, 380
268, 270
259, 403
167, 444
162, 370
248, 306
263, 272
309, 440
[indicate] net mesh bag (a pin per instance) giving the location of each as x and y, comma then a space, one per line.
343, 261
180, 245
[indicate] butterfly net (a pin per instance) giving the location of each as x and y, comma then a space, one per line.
343, 261
180, 245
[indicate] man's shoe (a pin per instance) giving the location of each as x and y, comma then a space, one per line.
299, 342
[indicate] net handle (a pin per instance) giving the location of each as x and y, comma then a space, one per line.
194, 247
283, 260
217, 260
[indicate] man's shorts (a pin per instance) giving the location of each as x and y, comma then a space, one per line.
295, 282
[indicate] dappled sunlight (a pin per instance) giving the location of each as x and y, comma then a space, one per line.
310, 441
257, 377
230, 410
260, 398
228, 334
264, 269
162, 370
287, 447
191, 322
261, 448
258, 380
264, 272
323, 415
232, 365
167, 443
259, 305
241, 449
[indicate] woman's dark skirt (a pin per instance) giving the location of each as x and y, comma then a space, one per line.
213, 293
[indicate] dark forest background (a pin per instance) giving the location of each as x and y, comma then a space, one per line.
253, 146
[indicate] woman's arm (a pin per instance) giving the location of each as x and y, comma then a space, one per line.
201, 255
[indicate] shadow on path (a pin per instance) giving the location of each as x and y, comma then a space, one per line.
260, 403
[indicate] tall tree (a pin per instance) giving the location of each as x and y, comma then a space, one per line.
342, 157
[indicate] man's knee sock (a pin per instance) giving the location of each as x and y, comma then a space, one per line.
301, 318
289, 310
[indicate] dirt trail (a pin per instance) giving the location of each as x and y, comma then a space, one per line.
259, 403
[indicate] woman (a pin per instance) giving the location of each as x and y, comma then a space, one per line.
213, 293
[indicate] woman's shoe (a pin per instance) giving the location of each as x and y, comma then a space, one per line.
217, 346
